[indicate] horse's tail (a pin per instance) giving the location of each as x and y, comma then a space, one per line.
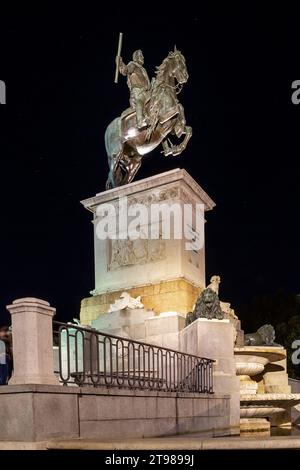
114, 147
113, 140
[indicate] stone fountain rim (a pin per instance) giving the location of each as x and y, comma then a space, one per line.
271, 397
271, 353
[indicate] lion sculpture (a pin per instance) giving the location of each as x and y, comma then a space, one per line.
264, 336
207, 306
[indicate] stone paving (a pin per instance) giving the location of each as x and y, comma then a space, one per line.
186, 442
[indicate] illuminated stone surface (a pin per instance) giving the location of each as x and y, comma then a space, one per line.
163, 272
32, 342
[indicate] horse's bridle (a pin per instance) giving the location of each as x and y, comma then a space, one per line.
177, 88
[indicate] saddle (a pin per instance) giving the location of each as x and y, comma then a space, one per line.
151, 123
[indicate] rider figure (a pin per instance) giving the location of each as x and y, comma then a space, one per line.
138, 83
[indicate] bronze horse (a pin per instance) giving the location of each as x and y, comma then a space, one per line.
126, 144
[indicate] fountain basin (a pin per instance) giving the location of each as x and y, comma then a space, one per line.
266, 405
251, 361
249, 365
257, 410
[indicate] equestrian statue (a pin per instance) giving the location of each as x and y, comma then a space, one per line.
154, 114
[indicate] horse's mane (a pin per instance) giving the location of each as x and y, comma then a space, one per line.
160, 70
159, 80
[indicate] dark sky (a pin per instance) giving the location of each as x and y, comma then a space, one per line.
59, 71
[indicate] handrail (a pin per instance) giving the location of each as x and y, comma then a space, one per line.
95, 358
89, 330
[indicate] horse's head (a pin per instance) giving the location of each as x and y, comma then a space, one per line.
177, 66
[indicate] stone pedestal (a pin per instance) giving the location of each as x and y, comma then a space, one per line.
143, 325
276, 380
164, 330
295, 411
47, 412
247, 385
265, 392
128, 323
177, 294
215, 339
32, 342
257, 426
166, 274
250, 364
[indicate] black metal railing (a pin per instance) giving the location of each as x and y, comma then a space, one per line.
89, 357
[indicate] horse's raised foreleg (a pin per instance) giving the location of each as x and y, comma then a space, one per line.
177, 149
167, 149
180, 128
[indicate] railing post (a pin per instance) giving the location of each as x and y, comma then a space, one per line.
32, 342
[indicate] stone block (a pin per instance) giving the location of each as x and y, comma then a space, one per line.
214, 339
33, 342
16, 417
36, 416
37, 412
55, 416
103, 407
125, 323
174, 295
276, 379
160, 325
201, 406
131, 428
295, 411
137, 332
217, 407
185, 408
145, 261
191, 424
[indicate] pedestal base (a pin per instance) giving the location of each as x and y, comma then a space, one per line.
34, 379
165, 267
215, 339
177, 295
255, 425
247, 385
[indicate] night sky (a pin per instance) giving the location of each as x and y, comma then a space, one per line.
59, 72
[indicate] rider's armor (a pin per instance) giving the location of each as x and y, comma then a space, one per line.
139, 86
